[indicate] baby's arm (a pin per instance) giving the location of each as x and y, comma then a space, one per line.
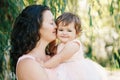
66, 53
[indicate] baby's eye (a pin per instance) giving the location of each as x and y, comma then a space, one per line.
60, 29
69, 30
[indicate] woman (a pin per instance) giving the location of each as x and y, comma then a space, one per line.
33, 30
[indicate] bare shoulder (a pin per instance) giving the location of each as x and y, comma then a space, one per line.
28, 69
26, 63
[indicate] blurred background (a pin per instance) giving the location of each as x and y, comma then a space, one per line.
100, 30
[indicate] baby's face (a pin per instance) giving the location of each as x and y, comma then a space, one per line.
66, 33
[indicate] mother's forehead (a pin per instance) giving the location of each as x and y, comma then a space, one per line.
48, 15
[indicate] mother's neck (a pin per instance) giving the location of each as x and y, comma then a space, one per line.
39, 50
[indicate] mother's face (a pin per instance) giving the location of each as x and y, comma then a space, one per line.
48, 29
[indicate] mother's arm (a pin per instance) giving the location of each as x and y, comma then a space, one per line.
28, 69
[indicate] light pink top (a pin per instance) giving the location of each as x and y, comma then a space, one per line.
51, 72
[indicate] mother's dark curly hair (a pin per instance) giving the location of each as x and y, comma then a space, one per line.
25, 33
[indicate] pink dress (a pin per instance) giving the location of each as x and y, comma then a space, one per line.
79, 68
50, 72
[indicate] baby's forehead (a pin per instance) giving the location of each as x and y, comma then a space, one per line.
69, 25
65, 23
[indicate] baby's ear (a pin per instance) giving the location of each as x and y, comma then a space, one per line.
78, 35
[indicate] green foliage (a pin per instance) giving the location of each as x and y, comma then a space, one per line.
90, 17
104, 17
8, 12
111, 8
72, 6
57, 6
